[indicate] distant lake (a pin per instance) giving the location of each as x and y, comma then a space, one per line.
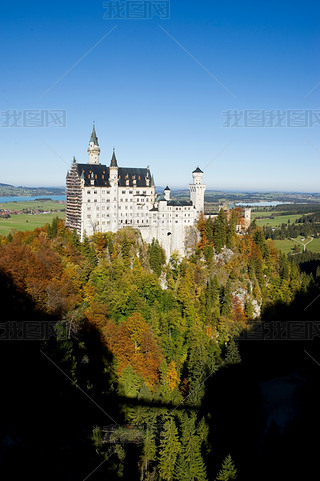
262, 204
26, 198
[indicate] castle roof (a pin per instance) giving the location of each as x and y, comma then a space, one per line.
198, 171
179, 203
100, 174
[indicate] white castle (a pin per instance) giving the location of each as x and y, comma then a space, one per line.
101, 199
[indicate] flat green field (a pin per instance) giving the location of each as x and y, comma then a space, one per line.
286, 245
27, 222
32, 204
278, 220
262, 214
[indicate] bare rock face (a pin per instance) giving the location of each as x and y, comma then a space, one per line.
224, 256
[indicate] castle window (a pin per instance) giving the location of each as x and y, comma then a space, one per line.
103, 191
89, 208
95, 192
95, 200
88, 216
88, 191
89, 200
144, 191
123, 192
103, 222
130, 192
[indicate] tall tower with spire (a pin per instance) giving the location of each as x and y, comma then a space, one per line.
94, 149
113, 169
197, 190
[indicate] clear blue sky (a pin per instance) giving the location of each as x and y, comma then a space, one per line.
157, 94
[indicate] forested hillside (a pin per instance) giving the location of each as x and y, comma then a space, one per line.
139, 336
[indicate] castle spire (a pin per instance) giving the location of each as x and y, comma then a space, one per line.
94, 137
94, 149
114, 159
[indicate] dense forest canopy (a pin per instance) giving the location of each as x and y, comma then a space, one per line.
164, 327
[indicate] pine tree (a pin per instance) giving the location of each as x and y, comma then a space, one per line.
156, 256
88, 251
169, 450
149, 452
52, 229
75, 238
249, 309
190, 465
228, 470
220, 231
231, 229
226, 300
233, 355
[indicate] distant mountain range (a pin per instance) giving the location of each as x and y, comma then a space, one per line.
11, 190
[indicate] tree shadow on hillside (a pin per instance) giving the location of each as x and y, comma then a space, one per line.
47, 419
264, 410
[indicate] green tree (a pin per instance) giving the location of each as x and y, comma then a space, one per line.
88, 251
149, 452
157, 257
228, 470
220, 231
231, 229
52, 229
249, 309
190, 465
169, 450
226, 300
233, 355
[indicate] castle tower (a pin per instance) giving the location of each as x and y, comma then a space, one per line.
167, 193
94, 149
113, 169
113, 181
197, 190
247, 217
